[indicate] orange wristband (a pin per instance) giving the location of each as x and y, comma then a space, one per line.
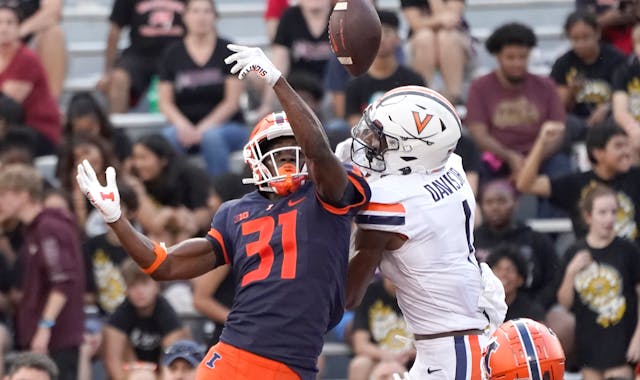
161, 255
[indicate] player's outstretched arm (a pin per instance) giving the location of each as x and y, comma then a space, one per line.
325, 169
370, 246
188, 259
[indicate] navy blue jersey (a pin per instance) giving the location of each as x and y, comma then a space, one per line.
289, 261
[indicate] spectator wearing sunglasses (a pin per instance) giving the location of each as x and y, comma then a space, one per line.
181, 360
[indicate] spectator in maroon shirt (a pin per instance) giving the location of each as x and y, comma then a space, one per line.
507, 108
50, 314
22, 78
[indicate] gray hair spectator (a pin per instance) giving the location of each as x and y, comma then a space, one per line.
31, 366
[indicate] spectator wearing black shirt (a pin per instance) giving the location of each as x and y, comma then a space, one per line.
609, 152
385, 73
377, 321
301, 44
500, 226
41, 22
601, 285
626, 95
511, 268
615, 18
86, 115
173, 192
153, 25
584, 74
439, 40
142, 326
198, 94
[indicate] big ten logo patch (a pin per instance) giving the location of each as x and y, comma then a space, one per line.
241, 216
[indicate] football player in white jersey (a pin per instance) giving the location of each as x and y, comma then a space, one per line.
418, 229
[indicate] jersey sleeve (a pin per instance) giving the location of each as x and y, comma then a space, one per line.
383, 213
217, 235
356, 195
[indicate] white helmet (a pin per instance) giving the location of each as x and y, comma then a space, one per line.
410, 129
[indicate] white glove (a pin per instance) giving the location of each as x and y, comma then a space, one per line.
252, 59
104, 198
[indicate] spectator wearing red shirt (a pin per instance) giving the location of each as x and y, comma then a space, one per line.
22, 78
51, 271
507, 108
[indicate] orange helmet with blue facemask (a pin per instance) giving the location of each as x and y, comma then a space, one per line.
523, 349
281, 179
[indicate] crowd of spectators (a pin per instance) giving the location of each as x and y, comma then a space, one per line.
70, 295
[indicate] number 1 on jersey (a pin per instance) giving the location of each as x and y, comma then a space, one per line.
467, 224
265, 227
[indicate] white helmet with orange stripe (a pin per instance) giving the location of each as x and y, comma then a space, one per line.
410, 129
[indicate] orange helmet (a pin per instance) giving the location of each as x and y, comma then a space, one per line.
524, 349
288, 177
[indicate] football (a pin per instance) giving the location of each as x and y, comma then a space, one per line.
354, 33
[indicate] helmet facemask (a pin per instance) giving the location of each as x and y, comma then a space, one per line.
285, 178
370, 143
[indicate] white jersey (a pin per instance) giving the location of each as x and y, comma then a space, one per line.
438, 280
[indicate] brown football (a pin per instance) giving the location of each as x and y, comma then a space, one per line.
354, 32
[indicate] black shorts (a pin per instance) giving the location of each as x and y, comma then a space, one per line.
141, 68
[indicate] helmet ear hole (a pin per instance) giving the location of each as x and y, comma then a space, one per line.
442, 126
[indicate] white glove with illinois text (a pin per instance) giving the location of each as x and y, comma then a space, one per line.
252, 59
104, 198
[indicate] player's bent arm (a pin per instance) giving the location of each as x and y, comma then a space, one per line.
187, 259
370, 246
324, 168
529, 181
115, 344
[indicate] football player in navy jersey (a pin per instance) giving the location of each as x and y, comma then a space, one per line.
287, 242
